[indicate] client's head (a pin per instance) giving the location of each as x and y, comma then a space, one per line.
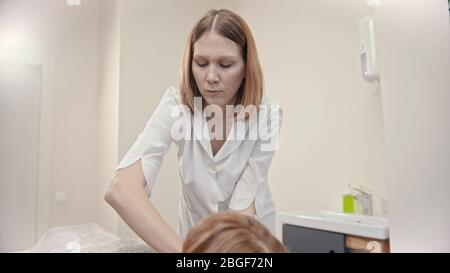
231, 232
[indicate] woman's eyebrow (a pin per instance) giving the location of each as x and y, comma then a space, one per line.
220, 57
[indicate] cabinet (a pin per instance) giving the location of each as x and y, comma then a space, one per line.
307, 240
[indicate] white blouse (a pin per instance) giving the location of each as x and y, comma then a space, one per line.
231, 179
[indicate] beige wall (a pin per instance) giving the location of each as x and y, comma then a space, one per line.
414, 47
21, 31
108, 108
309, 50
64, 40
75, 132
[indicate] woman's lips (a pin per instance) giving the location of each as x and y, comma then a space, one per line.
213, 92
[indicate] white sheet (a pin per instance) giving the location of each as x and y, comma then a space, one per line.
88, 238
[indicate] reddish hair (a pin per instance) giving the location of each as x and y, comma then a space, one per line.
231, 232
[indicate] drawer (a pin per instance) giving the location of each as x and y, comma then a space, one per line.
306, 240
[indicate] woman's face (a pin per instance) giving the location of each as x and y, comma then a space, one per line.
218, 69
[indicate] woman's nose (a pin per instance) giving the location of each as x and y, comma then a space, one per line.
212, 75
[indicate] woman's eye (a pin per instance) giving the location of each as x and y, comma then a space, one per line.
221, 65
202, 65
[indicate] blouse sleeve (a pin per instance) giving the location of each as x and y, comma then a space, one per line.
254, 176
154, 141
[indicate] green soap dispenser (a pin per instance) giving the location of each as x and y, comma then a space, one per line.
349, 200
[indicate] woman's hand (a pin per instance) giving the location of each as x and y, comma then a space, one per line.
129, 198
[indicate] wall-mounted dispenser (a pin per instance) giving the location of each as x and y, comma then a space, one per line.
369, 63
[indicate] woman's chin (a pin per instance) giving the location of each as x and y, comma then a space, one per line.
216, 101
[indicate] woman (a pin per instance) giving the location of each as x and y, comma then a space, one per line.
231, 233
222, 169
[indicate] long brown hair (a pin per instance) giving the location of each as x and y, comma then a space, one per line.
231, 232
233, 27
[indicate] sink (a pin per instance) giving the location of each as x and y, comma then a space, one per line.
359, 225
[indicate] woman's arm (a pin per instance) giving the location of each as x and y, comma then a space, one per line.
128, 197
